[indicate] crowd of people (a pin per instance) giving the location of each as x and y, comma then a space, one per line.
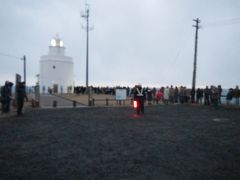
210, 95
207, 96
169, 94
99, 90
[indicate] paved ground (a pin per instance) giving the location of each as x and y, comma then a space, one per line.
99, 99
47, 100
66, 100
168, 142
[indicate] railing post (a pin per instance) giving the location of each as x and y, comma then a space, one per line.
106, 101
33, 103
74, 103
54, 103
131, 102
90, 102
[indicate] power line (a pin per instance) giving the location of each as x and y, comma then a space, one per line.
223, 22
10, 56
180, 49
19, 58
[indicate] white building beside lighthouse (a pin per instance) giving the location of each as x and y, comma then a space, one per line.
56, 69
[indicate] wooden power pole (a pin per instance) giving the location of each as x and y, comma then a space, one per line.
195, 53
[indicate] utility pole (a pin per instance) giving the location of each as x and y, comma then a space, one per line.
24, 63
85, 15
24, 69
195, 57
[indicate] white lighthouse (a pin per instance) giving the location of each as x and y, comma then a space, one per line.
56, 69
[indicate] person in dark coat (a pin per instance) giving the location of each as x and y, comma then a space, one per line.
139, 96
193, 95
149, 96
219, 94
236, 95
229, 96
6, 93
215, 97
199, 96
207, 96
21, 95
176, 94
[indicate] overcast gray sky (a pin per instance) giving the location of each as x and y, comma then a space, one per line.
133, 41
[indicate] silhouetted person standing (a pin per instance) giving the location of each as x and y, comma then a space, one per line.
199, 95
236, 93
207, 96
215, 97
192, 95
149, 96
21, 95
219, 94
176, 94
6, 93
229, 95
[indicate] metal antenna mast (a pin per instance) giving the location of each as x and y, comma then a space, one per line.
85, 15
